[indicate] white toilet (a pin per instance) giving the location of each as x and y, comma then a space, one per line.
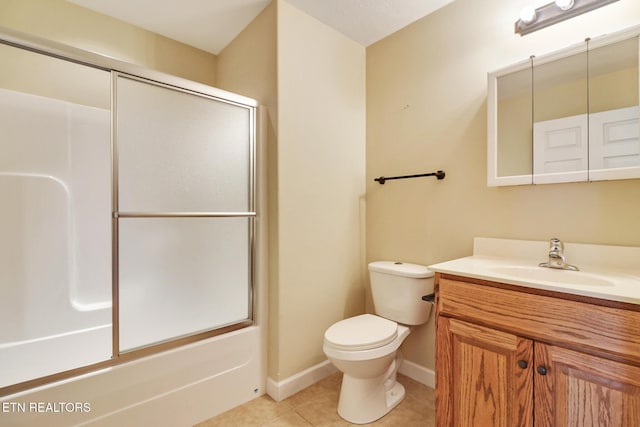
365, 347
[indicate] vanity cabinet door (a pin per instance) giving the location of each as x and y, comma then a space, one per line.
576, 389
484, 377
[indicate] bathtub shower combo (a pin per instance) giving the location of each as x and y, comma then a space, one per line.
128, 213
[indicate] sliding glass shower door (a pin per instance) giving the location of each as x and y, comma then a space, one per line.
127, 214
185, 212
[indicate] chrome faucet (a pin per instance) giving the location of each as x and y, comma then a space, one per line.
556, 257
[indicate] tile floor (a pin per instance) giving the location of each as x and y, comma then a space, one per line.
317, 406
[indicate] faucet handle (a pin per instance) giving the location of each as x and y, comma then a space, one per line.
556, 244
556, 256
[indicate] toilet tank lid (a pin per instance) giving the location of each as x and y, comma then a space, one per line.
403, 269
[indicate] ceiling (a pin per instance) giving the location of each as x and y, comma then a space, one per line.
212, 24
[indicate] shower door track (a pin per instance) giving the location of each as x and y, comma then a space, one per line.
183, 214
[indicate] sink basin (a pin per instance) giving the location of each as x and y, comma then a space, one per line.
554, 275
606, 272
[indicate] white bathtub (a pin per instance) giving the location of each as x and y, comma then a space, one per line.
25, 360
176, 388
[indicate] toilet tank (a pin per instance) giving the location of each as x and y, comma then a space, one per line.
397, 289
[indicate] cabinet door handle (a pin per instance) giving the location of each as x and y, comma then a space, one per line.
523, 364
542, 370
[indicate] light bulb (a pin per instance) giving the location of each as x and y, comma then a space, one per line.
528, 14
564, 4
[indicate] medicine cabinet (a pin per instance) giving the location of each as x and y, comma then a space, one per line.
568, 116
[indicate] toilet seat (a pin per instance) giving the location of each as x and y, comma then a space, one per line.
363, 332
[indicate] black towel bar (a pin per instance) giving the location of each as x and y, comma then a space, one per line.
437, 174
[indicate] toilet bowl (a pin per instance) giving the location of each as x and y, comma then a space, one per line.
369, 389
366, 347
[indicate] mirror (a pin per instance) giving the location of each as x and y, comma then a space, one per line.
515, 109
510, 118
560, 107
614, 131
567, 116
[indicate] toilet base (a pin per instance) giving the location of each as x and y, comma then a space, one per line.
364, 400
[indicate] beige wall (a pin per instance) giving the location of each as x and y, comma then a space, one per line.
248, 66
41, 75
312, 79
426, 110
67, 23
321, 171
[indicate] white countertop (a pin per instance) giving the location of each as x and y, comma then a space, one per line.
606, 272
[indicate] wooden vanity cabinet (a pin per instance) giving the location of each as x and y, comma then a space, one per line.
478, 379
510, 356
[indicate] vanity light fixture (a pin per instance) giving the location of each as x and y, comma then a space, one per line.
527, 14
564, 4
534, 19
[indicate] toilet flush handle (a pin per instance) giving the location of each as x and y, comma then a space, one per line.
431, 298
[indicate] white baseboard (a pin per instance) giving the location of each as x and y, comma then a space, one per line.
280, 390
418, 373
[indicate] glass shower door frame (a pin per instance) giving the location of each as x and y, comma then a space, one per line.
250, 214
